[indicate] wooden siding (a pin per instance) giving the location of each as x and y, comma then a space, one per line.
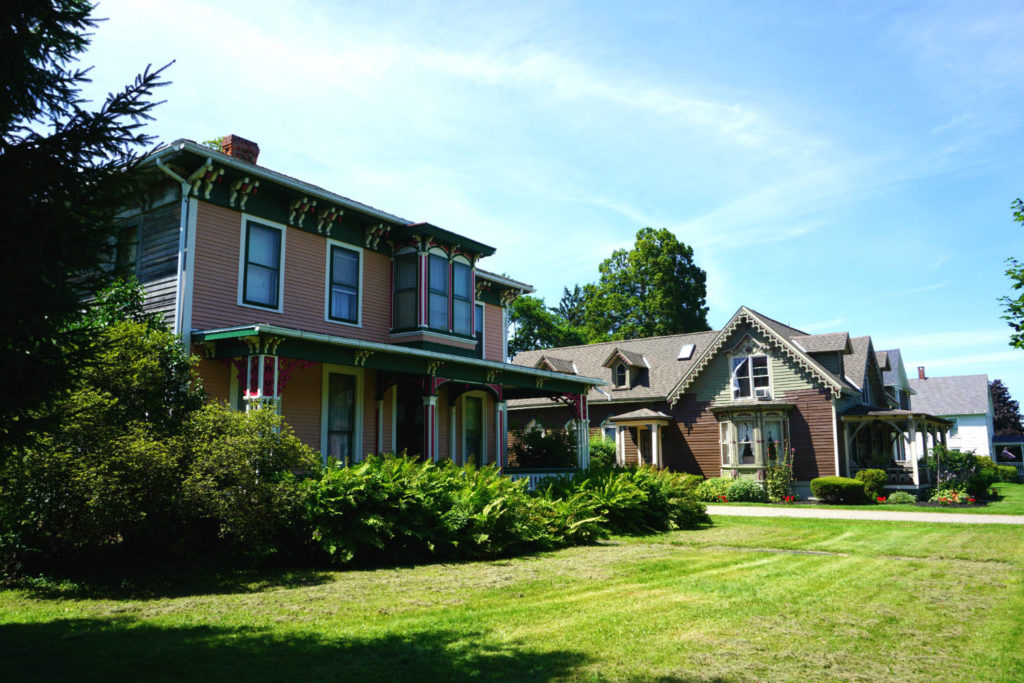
494, 332
216, 378
690, 442
157, 265
832, 361
301, 402
369, 412
215, 292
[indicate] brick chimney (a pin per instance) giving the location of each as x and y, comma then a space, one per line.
240, 148
920, 372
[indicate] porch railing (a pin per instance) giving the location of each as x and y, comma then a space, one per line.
536, 475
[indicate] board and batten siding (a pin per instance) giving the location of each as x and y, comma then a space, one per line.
215, 290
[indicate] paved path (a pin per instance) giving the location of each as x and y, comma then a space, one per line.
886, 516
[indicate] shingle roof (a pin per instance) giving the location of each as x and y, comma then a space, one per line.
556, 364
632, 358
823, 343
856, 363
891, 377
882, 358
954, 395
641, 414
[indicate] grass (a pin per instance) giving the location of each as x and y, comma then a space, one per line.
746, 599
1009, 502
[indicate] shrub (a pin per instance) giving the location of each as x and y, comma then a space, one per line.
778, 480
985, 474
838, 490
1006, 472
901, 498
602, 453
950, 495
711, 490
537, 447
746, 491
239, 478
874, 482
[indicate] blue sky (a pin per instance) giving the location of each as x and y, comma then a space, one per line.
840, 166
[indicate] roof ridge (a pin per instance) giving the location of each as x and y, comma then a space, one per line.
765, 317
620, 341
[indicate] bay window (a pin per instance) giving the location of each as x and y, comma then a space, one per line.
437, 297
462, 299
405, 291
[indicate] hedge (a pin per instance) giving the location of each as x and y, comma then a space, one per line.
838, 490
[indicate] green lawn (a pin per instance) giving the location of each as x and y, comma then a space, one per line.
1010, 502
746, 599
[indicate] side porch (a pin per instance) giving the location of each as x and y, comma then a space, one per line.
888, 440
347, 398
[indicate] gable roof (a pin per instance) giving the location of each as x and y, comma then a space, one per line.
634, 359
556, 365
823, 343
891, 377
782, 335
953, 395
882, 359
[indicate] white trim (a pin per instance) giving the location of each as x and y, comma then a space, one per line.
442, 336
240, 300
327, 284
357, 432
835, 438
185, 324
482, 395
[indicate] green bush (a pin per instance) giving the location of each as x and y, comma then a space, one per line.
1006, 472
602, 453
986, 473
901, 498
874, 482
711, 490
838, 490
746, 491
778, 479
239, 478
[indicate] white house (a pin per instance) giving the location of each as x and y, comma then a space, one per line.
963, 399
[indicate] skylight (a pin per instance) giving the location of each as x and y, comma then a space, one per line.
686, 353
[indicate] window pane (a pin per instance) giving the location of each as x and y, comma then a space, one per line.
462, 279
345, 267
760, 365
343, 304
261, 285
264, 246
461, 314
439, 311
341, 415
479, 323
405, 271
741, 386
438, 274
405, 309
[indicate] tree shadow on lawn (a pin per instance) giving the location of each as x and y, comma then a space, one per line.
127, 649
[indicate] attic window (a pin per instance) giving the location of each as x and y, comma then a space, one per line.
620, 374
686, 353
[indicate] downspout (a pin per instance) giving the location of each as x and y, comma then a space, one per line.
179, 299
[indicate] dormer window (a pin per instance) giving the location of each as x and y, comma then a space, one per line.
750, 377
620, 375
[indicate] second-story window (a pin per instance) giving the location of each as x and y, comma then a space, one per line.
462, 299
127, 249
437, 301
405, 291
750, 377
620, 375
344, 292
262, 278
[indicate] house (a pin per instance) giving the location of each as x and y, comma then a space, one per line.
367, 332
964, 400
729, 402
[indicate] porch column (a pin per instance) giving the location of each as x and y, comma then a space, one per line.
620, 446
451, 431
846, 451
430, 428
380, 425
913, 451
261, 381
500, 433
655, 445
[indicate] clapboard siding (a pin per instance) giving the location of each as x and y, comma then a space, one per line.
216, 378
494, 332
810, 430
157, 264
691, 440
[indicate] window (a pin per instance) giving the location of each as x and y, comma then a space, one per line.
462, 299
405, 291
343, 302
723, 439
609, 432
745, 443
776, 439
261, 283
749, 375
620, 374
953, 428
479, 330
127, 249
341, 416
437, 297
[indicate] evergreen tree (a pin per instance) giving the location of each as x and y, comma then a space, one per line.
62, 180
1007, 419
1014, 306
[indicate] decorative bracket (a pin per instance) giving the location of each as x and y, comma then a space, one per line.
433, 366
298, 210
482, 286
242, 189
362, 356
492, 374
262, 345
375, 234
209, 348
540, 382
206, 179
508, 296
325, 218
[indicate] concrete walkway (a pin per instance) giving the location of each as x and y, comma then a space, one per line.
877, 515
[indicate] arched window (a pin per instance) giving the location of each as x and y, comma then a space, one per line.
619, 374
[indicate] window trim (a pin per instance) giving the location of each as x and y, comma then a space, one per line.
750, 375
328, 281
357, 432
243, 262
625, 375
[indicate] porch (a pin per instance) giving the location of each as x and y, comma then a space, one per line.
348, 397
887, 440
